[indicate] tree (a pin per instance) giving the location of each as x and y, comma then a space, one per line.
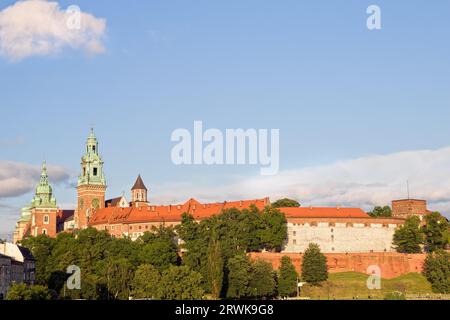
409, 237
196, 237
239, 268
41, 247
24, 292
314, 265
145, 283
262, 282
436, 232
437, 271
287, 278
117, 275
273, 232
159, 253
285, 203
385, 211
215, 267
180, 283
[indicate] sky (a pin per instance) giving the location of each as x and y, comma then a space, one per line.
360, 111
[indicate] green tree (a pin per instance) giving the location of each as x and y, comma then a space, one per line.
239, 268
180, 283
159, 253
92, 288
287, 278
90, 249
117, 275
145, 283
314, 265
24, 292
409, 237
285, 203
215, 267
262, 282
273, 232
385, 211
41, 247
437, 271
196, 237
436, 232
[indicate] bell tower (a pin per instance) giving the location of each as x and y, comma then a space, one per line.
139, 193
91, 187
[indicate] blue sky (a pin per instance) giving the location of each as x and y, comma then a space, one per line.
336, 91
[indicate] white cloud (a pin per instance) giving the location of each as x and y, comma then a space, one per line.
362, 182
19, 178
40, 27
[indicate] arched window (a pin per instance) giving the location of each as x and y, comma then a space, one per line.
44, 231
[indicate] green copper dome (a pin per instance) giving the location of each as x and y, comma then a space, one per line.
91, 164
43, 197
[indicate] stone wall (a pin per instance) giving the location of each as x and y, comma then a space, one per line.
392, 265
341, 235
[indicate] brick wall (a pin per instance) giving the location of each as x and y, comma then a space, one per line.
392, 265
409, 207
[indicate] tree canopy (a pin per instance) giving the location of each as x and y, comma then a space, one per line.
437, 271
409, 237
285, 203
287, 278
314, 265
377, 212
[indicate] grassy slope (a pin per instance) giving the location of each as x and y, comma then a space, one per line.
349, 285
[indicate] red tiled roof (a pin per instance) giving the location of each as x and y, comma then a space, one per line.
170, 213
321, 212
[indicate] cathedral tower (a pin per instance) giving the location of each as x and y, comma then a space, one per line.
42, 210
139, 193
91, 186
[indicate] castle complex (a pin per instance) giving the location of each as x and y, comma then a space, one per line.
335, 229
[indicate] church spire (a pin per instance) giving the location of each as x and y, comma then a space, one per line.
139, 191
44, 194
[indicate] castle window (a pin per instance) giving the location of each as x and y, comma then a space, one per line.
332, 238
46, 219
294, 233
95, 171
93, 148
294, 241
44, 231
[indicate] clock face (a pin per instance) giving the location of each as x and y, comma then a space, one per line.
81, 203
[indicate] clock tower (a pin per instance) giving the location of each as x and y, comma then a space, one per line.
91, 185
